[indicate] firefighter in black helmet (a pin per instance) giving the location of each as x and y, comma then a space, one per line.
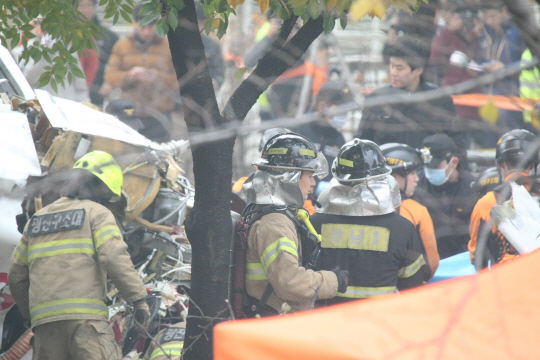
404, 160
361, 230
275, 280
516, 156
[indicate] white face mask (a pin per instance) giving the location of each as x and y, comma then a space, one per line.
437, 177
339, 121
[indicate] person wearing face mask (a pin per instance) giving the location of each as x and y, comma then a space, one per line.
404, 161
445, 190
326, 132
361, 231
275, 280
516, 156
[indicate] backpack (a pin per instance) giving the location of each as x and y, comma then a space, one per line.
249, 217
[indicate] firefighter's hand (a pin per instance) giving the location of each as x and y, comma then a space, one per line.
342, 279
141, 313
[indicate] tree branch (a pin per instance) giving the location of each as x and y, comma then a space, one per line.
269, 68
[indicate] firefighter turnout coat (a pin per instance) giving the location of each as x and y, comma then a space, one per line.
171, 343
59, 268
382, 253
274, 255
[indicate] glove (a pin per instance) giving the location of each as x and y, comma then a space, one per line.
342, 279
141, 313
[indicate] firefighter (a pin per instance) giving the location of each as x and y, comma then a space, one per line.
169, 345
516, 155
404, 160
275, 280
59, 269
361, 232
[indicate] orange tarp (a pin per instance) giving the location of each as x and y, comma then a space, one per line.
491, 315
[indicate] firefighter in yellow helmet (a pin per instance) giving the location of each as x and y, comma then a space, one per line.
60, 266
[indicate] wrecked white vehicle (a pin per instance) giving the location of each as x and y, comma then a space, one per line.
42, 137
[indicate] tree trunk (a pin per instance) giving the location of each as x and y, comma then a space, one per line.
208, 225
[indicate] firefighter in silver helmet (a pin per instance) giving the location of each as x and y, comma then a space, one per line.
361, 232
275, 280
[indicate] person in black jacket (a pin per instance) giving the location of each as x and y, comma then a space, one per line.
325, 132
445, 189
361, 231
410, 123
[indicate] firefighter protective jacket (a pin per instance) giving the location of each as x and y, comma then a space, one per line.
273, 255
59, 268
382, 253
171, 343
419, 216
498, 248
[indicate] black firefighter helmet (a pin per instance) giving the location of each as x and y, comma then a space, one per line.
488, 180
359, 160
291, 151
517, 146
404, 159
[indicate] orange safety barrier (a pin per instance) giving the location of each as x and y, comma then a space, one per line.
500, 101
491, 315
477, 100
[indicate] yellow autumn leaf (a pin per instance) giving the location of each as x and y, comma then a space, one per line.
215, 24
379, 10
263, 5
360, 9
233, 3
489, 112
331, 4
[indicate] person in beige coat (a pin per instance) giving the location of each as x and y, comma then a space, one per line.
59, 269
141, 66
276, 281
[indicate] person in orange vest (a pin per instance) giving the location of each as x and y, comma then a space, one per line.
404, 160
516, 155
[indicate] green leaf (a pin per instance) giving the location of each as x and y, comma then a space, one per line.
116, 17
149, 19
222, 28
328, 23
44, 79
299, 11
239, 73
315, 9
343, 5
162, 27
126, 16
298, 3
343, 20
54, 85
173, 21
70, 77
103, 2
208, 24
179, 4
283, 14
77, 72
128, 9
147, 9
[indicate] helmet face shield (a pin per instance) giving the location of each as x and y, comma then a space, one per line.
318, 165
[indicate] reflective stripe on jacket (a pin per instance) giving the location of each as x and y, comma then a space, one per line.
383, 253
273, 256
529, 83
59, 268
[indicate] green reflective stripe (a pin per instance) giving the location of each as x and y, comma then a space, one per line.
68, 306
412, 269
170, 349
344, 162
271, 252
360, 292
306, 152
61, 247
106, 233
21, 253
279, 151
255, 271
